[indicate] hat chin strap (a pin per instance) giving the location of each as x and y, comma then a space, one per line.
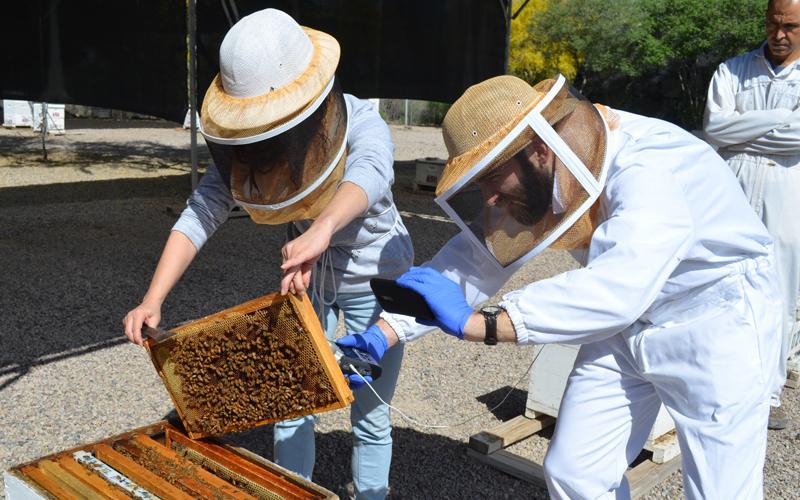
279, 129
311, 187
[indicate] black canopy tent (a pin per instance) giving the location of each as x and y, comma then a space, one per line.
137, 55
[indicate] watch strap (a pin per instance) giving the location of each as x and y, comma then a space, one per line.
490, 322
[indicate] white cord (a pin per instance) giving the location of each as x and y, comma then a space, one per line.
457, 424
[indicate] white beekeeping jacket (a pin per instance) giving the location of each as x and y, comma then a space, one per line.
675, 220
753, 109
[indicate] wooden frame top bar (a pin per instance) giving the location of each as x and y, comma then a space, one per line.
60, 475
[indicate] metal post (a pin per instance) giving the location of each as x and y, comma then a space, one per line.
406, 121
192, 63
509, 17
44, 129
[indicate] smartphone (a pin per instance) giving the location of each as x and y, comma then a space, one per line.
398, 299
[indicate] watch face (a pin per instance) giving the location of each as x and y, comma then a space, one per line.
493, 310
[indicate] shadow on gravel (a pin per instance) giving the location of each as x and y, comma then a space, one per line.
149, 157
73, 124
176, 186
76, 257
513, 406
423, 466
25, 151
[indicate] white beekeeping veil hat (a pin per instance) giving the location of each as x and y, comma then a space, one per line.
274, 119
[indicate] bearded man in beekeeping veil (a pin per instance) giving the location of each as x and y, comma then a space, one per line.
677, 302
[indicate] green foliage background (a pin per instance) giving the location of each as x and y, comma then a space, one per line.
653, 57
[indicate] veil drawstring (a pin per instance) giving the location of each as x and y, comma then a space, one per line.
321, 268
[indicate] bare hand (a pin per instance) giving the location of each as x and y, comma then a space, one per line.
142, 314
299, 257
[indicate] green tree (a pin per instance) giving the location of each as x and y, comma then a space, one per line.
669, 47
534, 58
604, 35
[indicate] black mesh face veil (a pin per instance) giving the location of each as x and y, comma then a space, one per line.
278, 169
515, 209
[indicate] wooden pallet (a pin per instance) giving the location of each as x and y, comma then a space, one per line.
488, 447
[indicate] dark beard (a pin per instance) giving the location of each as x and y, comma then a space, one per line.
529, 202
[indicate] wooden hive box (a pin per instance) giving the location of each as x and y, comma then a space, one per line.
548, 379
262, 361
157, 461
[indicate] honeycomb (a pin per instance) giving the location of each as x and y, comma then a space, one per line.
264, 361
171, 470
241, 482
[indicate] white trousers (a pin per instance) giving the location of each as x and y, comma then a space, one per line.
710, 359
772, 185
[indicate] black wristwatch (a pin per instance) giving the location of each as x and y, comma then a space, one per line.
490, 314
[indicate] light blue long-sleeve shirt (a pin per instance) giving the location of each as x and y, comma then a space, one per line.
375, 244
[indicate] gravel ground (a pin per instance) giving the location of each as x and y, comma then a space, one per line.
77, 255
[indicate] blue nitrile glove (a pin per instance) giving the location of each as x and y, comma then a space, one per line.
372, 341
443, 296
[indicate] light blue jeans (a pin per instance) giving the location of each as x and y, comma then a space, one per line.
371, 420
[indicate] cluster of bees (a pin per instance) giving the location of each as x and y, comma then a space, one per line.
261, 367
168, 469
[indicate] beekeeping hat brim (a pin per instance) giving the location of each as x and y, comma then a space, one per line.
226, 115
484, 116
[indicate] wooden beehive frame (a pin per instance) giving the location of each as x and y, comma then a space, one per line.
59, 475
310, 322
